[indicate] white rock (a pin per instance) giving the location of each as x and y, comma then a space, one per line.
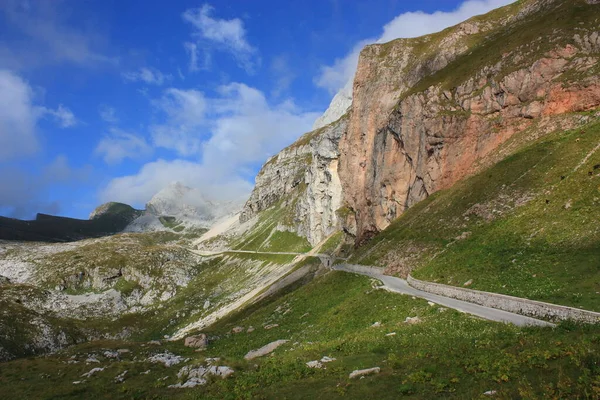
338, 107
239, 329
376, 325
167, 359
363, 372
111, 354
314, 364
121, 377
326, 359
490, 393
269, 348
412, 320
92, 372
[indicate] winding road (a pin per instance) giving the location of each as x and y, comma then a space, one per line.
398, 285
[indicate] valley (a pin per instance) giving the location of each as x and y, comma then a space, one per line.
436, 235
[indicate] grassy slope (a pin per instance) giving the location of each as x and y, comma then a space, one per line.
448, 355
527, 38
264, 235
216, 281
531, 222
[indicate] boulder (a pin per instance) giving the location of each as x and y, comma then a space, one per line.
263, 351
314, 364
199, 341
412, 320
363, 372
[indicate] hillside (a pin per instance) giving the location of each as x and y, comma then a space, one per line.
106, 220
428, 112
523, 227
469, 158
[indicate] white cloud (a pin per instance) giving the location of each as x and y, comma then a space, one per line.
181, 76
44, 36
119, 145
248, 129
139, 188
63, 116
228, 135
18, 117
151, 76
226, 35
108, 114
192, 50
407, 25
185, 115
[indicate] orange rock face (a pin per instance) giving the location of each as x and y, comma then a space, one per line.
395, 154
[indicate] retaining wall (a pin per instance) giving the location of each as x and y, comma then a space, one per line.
531, 308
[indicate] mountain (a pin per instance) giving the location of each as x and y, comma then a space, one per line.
339, 106
468, 159
178, 207
179, 200
105, 220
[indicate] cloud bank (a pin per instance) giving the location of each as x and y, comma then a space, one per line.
227, 35
19, 116
219, 142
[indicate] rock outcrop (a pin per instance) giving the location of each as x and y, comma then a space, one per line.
305, 176
427, 111
339, 105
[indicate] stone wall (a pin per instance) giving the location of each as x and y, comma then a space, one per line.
531, 308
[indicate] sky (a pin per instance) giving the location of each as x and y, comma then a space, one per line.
112, 100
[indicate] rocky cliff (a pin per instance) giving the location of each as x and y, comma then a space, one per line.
304, 175
427, 111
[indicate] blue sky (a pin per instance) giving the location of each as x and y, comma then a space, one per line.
113, 100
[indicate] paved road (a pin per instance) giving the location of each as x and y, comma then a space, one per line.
214, 253
398, 285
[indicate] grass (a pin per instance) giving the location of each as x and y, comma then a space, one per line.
526, 37
524, 227
447, 355
286, 241
266, 234
332, 244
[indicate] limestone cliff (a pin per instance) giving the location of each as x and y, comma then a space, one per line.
427, 111
304, 175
